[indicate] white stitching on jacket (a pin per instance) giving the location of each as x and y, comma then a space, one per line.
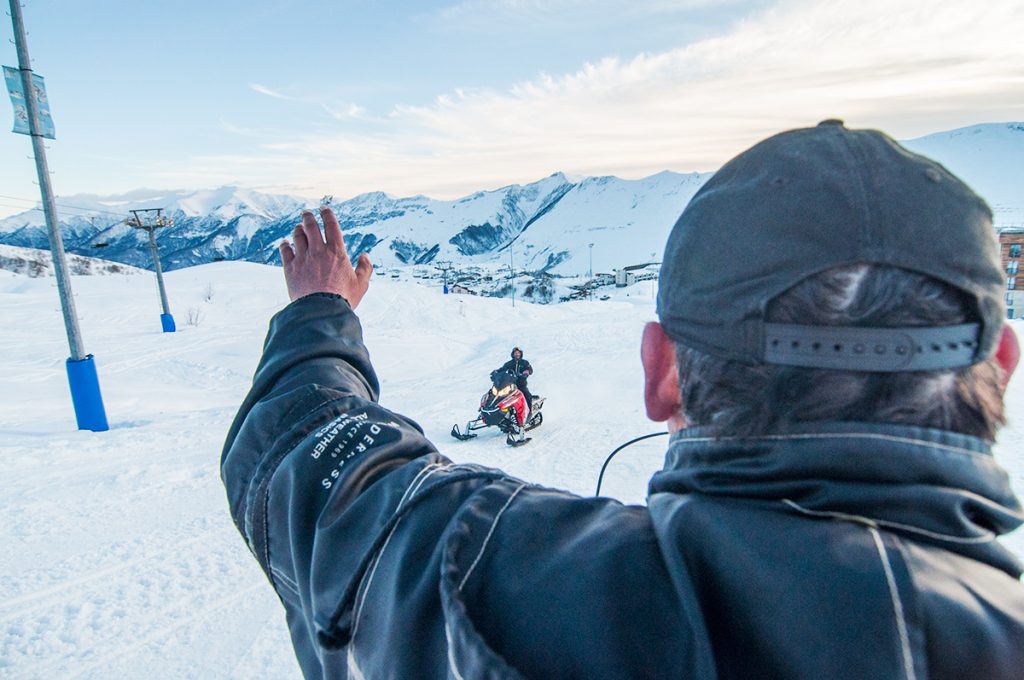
410, 491
451, 653
490, 532
417, 483
353, 667
897, 605
438, 467
987, 537
285, 580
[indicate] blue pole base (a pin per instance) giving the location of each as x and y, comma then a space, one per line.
85, 395
446, 289
167, 321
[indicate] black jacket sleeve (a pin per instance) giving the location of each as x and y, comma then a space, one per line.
319, 477
393, 562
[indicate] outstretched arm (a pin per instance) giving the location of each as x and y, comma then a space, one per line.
316, 471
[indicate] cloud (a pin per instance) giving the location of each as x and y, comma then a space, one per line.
531, 9
910, 68
336, 110
229, 127
345, 111
263, 89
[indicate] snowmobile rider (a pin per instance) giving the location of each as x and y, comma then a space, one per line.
521, 369
829, 506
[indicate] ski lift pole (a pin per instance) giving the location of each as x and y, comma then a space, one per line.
159, 278
83, 380
136, 222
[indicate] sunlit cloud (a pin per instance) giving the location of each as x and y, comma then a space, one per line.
910, 68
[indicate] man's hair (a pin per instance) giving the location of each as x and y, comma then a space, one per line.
736, 399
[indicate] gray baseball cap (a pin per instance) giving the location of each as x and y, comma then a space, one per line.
808, 200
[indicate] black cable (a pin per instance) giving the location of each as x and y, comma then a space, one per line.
59, 205
612, 455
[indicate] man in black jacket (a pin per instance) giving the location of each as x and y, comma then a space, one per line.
522, 370
830, 360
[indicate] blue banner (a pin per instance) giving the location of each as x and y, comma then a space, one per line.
17, 92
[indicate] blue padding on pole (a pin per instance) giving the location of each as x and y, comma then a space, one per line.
167, 321
85, 395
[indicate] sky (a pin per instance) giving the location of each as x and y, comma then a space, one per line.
446, 98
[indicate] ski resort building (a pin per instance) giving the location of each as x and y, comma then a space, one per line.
633, 273
1011, 243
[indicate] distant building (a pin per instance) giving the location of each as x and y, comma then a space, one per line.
633, 273
460, 290
1011, 243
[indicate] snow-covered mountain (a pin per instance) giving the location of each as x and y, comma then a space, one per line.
990, 158
547, 226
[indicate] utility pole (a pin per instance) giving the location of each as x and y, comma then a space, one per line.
590, 273
445, 267
654, 281
512, 275
82, 377
136, 221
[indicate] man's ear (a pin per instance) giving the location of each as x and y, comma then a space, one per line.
661, 377
1008, 354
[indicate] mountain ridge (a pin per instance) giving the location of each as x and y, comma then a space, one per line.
554, 225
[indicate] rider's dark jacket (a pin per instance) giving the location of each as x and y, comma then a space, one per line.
842, 550
520, 368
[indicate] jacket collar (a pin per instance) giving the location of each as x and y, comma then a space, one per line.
930, 485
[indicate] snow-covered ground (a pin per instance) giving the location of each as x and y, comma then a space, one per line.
120, 559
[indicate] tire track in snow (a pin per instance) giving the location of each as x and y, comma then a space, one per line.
71, 666
46, 596
72, 622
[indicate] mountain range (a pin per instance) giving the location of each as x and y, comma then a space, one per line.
554, 225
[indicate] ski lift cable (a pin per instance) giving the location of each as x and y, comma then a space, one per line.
59, 205
600, 477
77, 212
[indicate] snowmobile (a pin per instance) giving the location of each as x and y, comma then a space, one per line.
504, 406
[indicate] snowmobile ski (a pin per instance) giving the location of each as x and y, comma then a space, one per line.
462, 436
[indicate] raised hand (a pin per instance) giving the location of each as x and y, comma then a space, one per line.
320, 264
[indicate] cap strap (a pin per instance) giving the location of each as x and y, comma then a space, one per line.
886, 350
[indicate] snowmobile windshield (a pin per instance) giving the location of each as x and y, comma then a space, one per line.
502, 391
502, 378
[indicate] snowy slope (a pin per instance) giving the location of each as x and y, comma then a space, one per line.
989, 157
120, 559
628, 222
34, 262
